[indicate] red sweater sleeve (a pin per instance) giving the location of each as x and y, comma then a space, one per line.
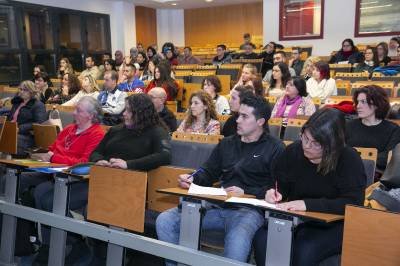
90, 141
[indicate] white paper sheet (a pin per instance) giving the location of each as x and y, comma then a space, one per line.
211, 191
255, 202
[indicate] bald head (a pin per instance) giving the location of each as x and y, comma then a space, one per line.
158, 97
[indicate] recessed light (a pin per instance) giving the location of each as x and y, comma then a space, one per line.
173, 4
209, 0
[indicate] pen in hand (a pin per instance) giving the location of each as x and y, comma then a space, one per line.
190, 177
276, 192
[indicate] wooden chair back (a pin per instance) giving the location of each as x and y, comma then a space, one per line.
369, 157
9, 137
117, 197
225, 84
199, 138
293, 129
371, 237
45, 135
338, 99
172, 105
163, 177
275, 126
189, 88
343, 87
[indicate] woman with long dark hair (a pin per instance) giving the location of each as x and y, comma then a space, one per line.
370, 62
279, 79
162, 78
70, 86
382, 50
142, 128
317, 173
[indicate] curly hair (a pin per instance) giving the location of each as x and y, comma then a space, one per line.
74, 84
376, 96
144, 114
213, 80
210, 111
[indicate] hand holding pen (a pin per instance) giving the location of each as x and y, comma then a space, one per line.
185, 180
272, 195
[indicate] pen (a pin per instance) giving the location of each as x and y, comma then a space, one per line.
195, 172
276, 190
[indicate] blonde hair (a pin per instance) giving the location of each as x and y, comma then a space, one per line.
92, 82
33, 90
252, 69
309, 61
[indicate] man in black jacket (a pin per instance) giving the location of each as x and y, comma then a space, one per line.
158, 97
243, 163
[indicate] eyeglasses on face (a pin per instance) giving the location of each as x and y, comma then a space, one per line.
312, 143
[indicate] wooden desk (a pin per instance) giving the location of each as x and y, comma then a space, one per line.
281, 224
14, 169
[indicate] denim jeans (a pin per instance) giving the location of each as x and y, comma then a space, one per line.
239, 225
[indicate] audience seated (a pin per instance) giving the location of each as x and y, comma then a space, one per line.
279, 57
64, 67
318, 174
222, 57
280, 77
309, 66
371, 129
133, 53
295, 101
370, 61
41, 83
69, 88
139, 47
212, 86
394, 44
236, 94
111, 99
162, 78
382, 50
90, 70
26, 110
141, 59
171, 57
201, 116
295, 62
142, 128
249, 73
38, 69
102, 67
321, 85
268, 58
119, 59
247, 41
248, 53
89, 88
158, 97
148, 72
348, 54
131, 83
188, 58
73, 145
232, 163
109, 64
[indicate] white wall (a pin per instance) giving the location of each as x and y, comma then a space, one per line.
339, 22
170, 26
122, 18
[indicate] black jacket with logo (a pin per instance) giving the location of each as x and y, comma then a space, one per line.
245, 165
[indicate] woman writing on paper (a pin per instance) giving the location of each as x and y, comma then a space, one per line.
319, 173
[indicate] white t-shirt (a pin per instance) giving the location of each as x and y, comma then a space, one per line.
222, 105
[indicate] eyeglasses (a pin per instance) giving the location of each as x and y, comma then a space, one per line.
306, 141
23, 89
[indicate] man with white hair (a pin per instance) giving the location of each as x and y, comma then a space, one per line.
158, 97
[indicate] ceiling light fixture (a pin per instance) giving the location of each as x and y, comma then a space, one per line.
173, 4
209, 0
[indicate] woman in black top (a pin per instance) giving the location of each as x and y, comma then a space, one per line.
371, 129
41, 82
382, 49
370, 61
348, 53
320, 174
140, 143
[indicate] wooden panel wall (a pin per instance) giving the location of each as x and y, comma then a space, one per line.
146, 25
225, 24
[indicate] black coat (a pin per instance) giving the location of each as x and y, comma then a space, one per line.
33, 112
169, 119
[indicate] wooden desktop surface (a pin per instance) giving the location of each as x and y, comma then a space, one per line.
28, 163
323, 217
